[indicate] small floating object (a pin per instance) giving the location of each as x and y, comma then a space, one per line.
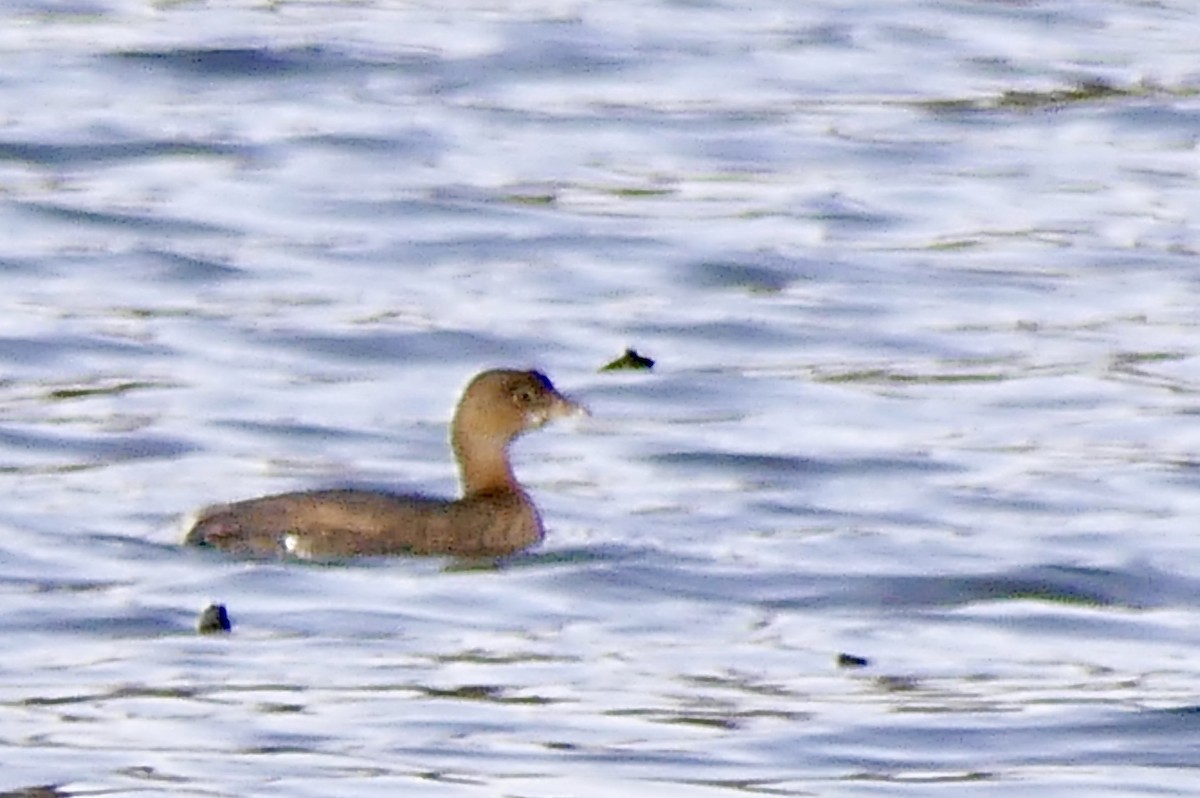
214, 619
41, 791
851, 661
630, 361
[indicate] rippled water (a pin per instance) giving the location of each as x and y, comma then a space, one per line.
920, 280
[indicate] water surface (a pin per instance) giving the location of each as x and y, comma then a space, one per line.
919, 281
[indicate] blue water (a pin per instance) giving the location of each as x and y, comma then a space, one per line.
920, 281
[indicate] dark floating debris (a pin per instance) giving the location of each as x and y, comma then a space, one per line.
43, 791
852, 661
630, 361
1082, 91
214, 619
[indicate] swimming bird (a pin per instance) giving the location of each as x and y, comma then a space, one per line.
494, 516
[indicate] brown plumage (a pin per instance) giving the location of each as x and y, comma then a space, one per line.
493, 517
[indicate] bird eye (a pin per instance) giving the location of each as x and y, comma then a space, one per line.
523, 396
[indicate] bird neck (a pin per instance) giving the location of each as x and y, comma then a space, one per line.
483, 465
